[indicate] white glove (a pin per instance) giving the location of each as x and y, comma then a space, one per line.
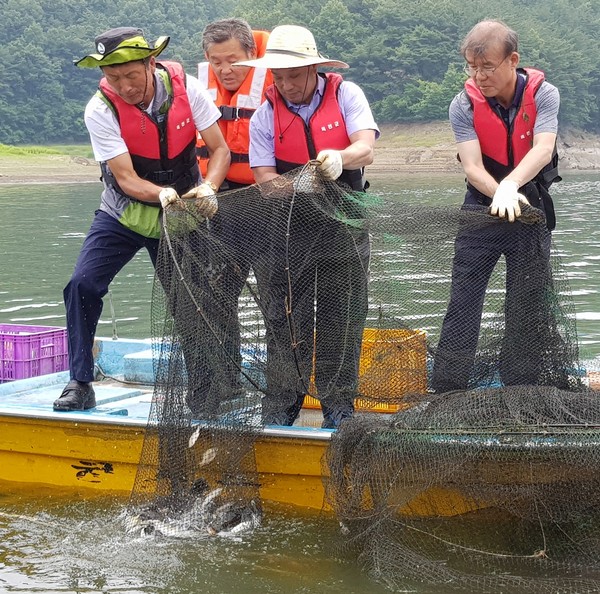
506, 200
206, 201
330, 163
167, 196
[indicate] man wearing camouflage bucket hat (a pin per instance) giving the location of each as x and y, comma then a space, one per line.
142, 122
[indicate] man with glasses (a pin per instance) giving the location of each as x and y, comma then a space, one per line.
505, 124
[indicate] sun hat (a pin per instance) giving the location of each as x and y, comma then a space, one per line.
290, 46
121, 45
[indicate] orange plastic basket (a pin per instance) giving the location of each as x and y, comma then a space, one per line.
393, 362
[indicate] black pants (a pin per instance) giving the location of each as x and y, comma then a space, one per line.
232, 245
315, 304
108, 246
526, 249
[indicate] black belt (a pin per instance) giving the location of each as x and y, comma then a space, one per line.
235, 113
202, 152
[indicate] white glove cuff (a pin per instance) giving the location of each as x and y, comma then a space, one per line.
505, 184
209, 189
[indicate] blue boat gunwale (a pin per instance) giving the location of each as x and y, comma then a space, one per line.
112, 409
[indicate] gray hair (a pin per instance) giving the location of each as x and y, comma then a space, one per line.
487, 34
226, 29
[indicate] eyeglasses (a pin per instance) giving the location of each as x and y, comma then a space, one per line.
485, 70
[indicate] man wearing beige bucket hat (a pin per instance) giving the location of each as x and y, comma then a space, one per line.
313, 116
142, 124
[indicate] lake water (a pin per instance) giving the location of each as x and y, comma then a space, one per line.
51, 542
42, 229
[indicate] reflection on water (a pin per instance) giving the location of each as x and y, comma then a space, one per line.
577, 240
41, 232
40, 246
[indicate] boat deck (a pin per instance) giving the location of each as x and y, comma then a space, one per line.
99, 450
123, 395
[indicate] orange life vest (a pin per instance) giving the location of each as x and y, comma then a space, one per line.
236, 110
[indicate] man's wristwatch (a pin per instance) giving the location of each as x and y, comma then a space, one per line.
211, 185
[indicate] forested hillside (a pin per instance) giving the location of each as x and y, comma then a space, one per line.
404, 53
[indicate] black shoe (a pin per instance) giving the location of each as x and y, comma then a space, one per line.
76, 396
286, 417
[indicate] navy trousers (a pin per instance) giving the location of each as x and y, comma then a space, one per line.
526, 249
315, 302
106, 249
236, 231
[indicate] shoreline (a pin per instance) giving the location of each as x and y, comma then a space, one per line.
410, 149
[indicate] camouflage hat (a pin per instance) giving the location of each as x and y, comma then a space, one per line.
121, 45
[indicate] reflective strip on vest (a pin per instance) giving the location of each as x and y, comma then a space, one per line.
250, 101
203, 72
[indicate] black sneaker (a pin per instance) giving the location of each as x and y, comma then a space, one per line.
286, 417
332, 418
76, 396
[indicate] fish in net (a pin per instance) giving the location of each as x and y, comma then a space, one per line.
245, 325
462, 459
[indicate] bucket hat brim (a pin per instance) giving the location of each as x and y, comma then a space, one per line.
284, 59
291, 46
124, 53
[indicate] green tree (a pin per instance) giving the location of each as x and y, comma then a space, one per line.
403, 53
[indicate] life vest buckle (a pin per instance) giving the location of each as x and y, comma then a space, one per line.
229, 112
163, 177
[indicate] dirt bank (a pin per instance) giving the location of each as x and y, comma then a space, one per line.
44, 169
405, 148
430, 148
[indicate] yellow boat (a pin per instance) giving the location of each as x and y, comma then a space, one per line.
99, 450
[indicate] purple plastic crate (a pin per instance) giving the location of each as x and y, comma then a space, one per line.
29, 351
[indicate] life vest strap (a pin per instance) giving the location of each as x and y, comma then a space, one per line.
235, 113
162, 177
202, 153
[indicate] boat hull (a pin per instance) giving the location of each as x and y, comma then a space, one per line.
98, 451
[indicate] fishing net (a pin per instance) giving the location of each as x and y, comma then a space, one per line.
490, 490
440, 343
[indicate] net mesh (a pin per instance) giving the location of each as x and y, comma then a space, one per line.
439, 341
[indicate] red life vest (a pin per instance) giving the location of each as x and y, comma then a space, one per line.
505, 147
160, 152
236, 110
326, 129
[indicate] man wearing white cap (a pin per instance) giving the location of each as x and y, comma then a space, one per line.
142, 123
309, 115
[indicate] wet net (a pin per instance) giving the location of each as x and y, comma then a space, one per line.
440, 343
